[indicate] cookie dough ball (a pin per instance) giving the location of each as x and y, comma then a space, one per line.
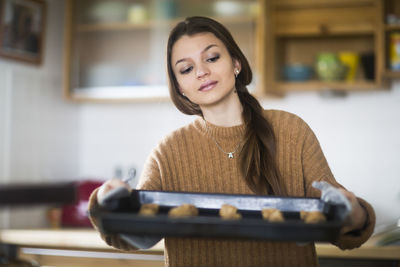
229, 212
272, 215
184, 210
312, 216
148, 209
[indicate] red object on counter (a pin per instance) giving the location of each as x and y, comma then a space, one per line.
75, 215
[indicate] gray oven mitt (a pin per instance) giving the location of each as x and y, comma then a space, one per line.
331, 194
110, 203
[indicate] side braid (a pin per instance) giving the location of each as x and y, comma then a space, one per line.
258, 156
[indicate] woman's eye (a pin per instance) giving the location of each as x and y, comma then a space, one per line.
213, 59
186, 70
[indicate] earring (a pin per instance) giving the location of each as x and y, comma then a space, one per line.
236, 72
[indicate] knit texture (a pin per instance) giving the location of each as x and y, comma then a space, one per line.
189, 160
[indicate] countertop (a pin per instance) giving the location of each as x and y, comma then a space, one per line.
88, 239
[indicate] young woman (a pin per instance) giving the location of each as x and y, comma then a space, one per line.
236, 147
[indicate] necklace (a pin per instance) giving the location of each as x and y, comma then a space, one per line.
229, 154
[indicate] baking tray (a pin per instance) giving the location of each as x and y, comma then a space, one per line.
123, 218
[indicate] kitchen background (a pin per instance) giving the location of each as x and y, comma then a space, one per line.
45, 138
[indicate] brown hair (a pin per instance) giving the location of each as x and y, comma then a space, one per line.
258, 163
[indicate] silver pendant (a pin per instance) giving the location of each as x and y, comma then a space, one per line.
230, 155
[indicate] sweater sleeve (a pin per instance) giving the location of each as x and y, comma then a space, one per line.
316, 168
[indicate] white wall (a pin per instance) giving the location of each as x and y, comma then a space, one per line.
39, 131
358, 133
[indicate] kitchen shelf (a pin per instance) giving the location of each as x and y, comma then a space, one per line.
322, 30
318, 3
395, 27
392, 74
319, 85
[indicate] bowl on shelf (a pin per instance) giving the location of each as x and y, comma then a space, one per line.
297, 72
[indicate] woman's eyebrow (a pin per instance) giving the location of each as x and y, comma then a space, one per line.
204, 50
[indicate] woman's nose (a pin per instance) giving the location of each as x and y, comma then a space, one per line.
202, 71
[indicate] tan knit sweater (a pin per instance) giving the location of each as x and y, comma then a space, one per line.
189, 160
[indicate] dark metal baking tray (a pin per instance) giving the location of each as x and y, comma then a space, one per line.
124, 219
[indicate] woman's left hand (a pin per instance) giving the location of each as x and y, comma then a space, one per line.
358, 214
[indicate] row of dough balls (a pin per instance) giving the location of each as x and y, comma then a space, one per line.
273, 215
230, 212
183, 210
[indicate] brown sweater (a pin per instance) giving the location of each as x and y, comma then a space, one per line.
189, 160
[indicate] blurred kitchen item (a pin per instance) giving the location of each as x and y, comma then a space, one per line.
107, 11
75, 215
391, 236
368, 65
28, 194
394, 51
137, 13
351, 60
329, 68
297, 72
165, 9
54, 217
229, 8
9, 257
392, 19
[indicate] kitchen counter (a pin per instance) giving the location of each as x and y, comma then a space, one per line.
90, 241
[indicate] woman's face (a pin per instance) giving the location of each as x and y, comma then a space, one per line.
204, 69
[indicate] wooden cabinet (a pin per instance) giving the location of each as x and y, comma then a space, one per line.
298, 31
117, 49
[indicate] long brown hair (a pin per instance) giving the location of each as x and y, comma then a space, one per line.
258, 163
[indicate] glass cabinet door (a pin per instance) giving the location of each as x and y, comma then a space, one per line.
116, 49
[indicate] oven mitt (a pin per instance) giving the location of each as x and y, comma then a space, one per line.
331, 194
140, 241
111, 199
110, 202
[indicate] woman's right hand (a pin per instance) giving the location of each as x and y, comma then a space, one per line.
108, 186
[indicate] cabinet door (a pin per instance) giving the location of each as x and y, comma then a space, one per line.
116, 49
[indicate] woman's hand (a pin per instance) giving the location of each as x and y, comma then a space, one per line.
358, 215
108, 186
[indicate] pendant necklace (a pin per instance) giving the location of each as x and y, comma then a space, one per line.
229, 154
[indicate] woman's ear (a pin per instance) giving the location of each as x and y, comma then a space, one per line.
181, 91
237, 65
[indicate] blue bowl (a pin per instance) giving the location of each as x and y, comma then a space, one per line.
297, 72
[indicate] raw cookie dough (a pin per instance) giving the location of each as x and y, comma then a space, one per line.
272, 215
183, 210
148, 209
229, 212
312, 216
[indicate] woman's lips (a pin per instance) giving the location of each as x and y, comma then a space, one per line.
208, 85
